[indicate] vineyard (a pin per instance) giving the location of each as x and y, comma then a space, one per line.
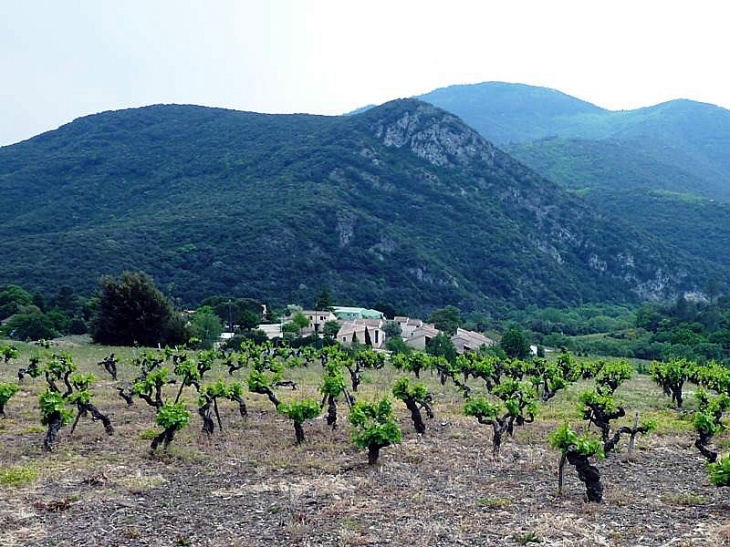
275, 446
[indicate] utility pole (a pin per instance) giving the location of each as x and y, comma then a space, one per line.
230, 317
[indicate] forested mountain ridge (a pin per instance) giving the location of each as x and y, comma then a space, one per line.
664, 168
403, 203
681, 134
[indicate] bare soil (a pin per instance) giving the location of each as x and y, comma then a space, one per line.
251, 486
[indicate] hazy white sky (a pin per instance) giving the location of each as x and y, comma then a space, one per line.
63, 59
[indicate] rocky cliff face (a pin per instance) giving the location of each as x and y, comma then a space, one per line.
563, 228
434, 135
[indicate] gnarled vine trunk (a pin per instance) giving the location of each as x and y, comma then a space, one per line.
331, 412
84, 408
299, 432
588, 474
55, 423
373, 453
166, 437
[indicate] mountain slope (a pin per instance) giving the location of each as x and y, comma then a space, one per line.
679, 135
402, 203
630, 163
504, 112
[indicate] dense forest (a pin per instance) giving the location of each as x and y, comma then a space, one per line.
403, 203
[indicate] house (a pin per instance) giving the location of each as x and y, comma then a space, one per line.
407, 325
421, 336
345, 313
467, 340
317, 319
272, 330
362, 330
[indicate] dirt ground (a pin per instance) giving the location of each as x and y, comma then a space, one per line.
251, 486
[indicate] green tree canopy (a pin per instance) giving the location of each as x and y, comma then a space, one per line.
12, 297
324, 301
514, 343
132, 310
29, 323
446, 319
206, 326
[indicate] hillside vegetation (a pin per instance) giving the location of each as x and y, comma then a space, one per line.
403, 203
649, 166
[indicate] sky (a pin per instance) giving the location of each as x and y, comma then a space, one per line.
60, 60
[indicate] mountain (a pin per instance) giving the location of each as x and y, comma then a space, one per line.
615, 159
504, 112
402, 203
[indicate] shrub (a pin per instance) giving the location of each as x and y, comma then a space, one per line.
375, 427
6, 392
172, 417
298, 412
416, 397
577, 450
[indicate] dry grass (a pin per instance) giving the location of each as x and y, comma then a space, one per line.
250, 485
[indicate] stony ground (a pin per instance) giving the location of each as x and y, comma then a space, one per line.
252, 486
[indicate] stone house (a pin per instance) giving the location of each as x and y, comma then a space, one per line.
467, 340
421, 336
357, 330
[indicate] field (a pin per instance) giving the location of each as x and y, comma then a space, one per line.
252, 486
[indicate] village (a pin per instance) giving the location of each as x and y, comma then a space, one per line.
371, 328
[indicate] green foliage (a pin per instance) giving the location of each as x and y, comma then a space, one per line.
300, 411
520, 398
565, 439
7, 390
82, 381
131, 310
188, 371
720, 472
158, 377
605, 402
446, 319
397, 346
333, 382
259, 380
324, 301
412, 361
612, 374
206, 326
481, 408
374, 424
172, 416
29, 324
51, 402
60, 364
8, 352
674, 371
442, 346
183, 170
402, 390
392, 329
514, 343
708, 418
300, 321
12, 298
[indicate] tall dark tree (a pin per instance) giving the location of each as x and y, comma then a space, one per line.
324, 301
12, 297
446, 319
132, 310
515, 343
